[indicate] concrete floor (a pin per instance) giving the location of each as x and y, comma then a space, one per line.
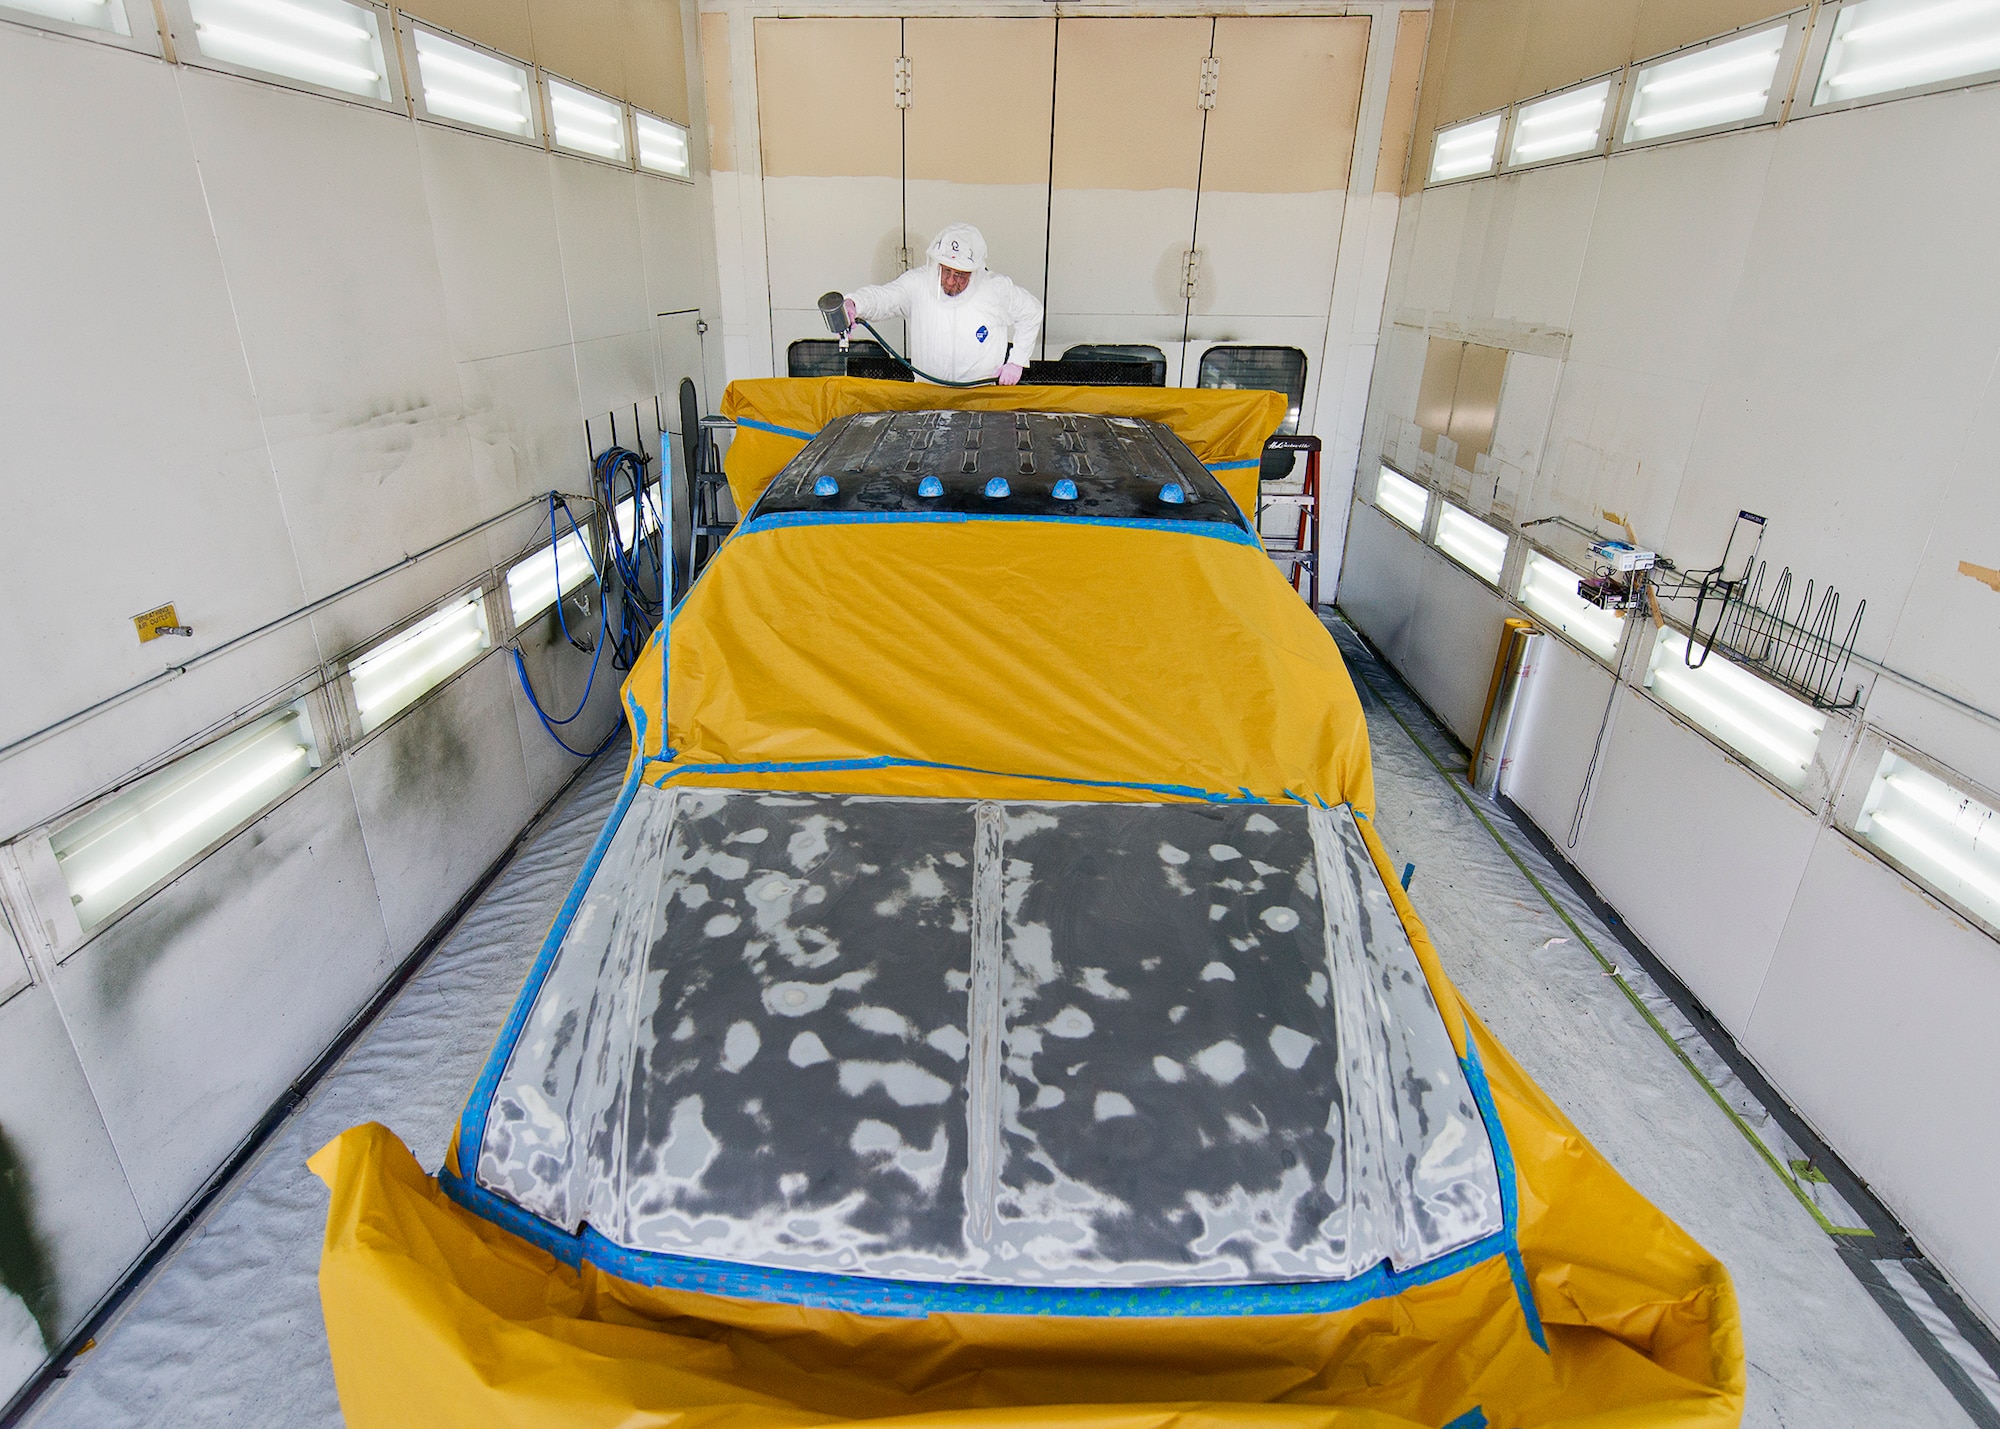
227, 1330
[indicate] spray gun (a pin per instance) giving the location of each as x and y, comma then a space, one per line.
833, 307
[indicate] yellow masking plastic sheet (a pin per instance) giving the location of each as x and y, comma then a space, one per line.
776, 416
1014, 659
1022, 659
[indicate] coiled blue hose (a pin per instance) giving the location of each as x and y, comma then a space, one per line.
636, 612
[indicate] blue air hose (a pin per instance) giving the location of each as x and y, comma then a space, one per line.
550, 722
638, 613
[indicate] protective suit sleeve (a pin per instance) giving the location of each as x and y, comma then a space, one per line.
1024, 318
877, 301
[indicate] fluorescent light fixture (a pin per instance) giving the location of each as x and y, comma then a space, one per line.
106, 15
652, 517
127, 844
1401, 499
1937, 832
474, 87
1561, 125
586, 123
1762, 723
328, 43
1472, 543
1884, 45
1465, 149
1548, 589
1704, 112
1720, 83
395, 674
532, 582
663, 145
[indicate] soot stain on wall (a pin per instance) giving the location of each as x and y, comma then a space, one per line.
126, 954
431, 761
25, 1267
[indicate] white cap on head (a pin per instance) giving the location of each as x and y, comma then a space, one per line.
960, 246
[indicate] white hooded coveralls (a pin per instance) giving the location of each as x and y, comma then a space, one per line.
964, 338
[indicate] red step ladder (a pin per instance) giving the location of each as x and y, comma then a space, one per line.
1299, 552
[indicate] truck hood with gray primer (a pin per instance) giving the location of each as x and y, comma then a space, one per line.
1064, 1045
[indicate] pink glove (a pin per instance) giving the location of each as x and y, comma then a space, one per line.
1009, 373
852, 316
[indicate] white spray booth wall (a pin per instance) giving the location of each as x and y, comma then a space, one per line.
261, 344
1801, 321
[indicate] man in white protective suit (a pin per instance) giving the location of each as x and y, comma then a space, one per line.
966, 324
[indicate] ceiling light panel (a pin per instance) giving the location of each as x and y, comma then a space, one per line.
1561, 126
1937, 832
534, 582
390, 677
107, 16
1762, 723
328, 44
467, 85
1401, 499
1478, 547
663, 145
144, 833
1548, 590
1465, 150
1728, 82
648, 517
1883, 47
586, 123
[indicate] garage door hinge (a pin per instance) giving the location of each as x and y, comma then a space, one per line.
1211, 75
903, 82
1190, 272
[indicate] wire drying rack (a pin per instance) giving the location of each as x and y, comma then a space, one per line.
1799, 646
1796, 644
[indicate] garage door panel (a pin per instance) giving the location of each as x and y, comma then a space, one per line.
1288, 94
1275, 163
830, 233
1268, 254
1119, 251
979, 100
826, 98
831, 138
1126, 163
977, 134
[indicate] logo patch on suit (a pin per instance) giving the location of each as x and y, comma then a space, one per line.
981, 334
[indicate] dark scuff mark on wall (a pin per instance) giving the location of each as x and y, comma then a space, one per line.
25, 1268
120, 960
430, 761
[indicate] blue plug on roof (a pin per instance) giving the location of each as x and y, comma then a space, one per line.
930, 486
1172, 493
826, 486
1065, 490
998, 487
